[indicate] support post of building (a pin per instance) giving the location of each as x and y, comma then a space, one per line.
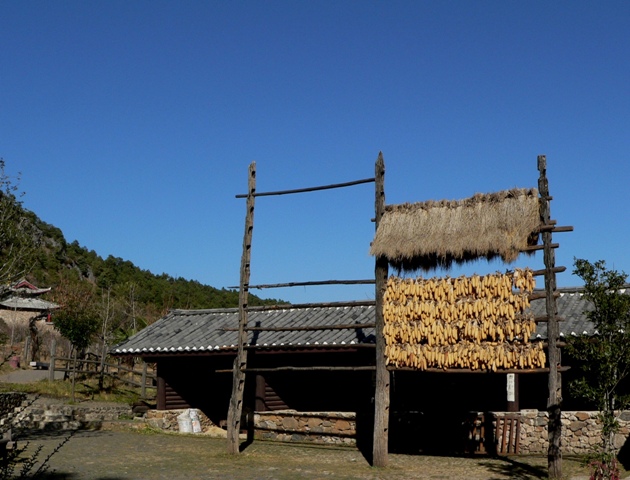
240, 362
381, 394
143, 389
554, 427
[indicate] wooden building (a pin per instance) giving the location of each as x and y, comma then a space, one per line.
409, 238
194, 351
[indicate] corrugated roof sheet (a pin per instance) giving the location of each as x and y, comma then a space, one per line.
207, 330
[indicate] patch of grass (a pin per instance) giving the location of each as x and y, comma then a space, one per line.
85, 389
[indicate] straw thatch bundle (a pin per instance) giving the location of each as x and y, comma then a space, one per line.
431, 234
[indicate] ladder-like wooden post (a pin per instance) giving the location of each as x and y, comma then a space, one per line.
381, 394
554, 427
240, 362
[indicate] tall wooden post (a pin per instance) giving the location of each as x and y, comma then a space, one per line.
101, 375
554, 427
240, 362
27, 348
161, 388
53, 359
381, 395
143, 389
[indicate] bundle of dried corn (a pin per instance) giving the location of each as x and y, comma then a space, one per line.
485, 356
448, 312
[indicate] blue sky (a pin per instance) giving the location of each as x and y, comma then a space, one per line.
133, 124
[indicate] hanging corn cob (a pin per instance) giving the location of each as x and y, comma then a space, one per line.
466, 322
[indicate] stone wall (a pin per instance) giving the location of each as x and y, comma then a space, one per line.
283, 426
316, 427
29, 413
9, 402
167, 420
581, 431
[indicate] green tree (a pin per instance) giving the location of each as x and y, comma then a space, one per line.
78, 317
18, 238
604, 357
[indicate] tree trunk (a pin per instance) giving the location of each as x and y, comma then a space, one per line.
34, 334
74, 372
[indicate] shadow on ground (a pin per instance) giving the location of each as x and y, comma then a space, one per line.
22, 435
511, 468
72, 476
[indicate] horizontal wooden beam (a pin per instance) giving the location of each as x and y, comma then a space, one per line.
337, 347
309, 189
289, 306
545, 318
305, 329
540, 273
554, 228
534, 248
468, 370
311, 369
308, 284
539, 295
390, 368
559, 344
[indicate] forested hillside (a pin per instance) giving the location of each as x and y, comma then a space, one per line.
131, 291
110, 292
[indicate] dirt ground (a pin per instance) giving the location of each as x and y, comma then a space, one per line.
125, 453
27, 376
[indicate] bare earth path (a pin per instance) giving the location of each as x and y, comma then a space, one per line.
28, 376
124, 455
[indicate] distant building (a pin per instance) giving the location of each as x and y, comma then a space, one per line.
22, 310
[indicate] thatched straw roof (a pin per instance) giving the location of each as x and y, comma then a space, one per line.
431, 234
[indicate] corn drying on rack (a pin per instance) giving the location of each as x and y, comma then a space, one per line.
476, 322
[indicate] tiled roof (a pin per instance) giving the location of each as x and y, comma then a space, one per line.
28, 303
571, 307
207, 330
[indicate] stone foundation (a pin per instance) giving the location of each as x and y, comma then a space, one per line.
167, 420
581, 431
26, 413
283, 426
9, 402
316, 427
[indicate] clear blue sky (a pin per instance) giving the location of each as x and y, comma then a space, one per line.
133, 124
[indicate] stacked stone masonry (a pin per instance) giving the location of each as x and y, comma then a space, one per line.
284, 426
581, 431
28, 413
291, 426
166, 420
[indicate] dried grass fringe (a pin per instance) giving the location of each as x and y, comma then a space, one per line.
423, 236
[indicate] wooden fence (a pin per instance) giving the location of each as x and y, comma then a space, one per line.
98, 366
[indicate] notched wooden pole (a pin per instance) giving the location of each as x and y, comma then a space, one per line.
381, 394
554, 427
240, 362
